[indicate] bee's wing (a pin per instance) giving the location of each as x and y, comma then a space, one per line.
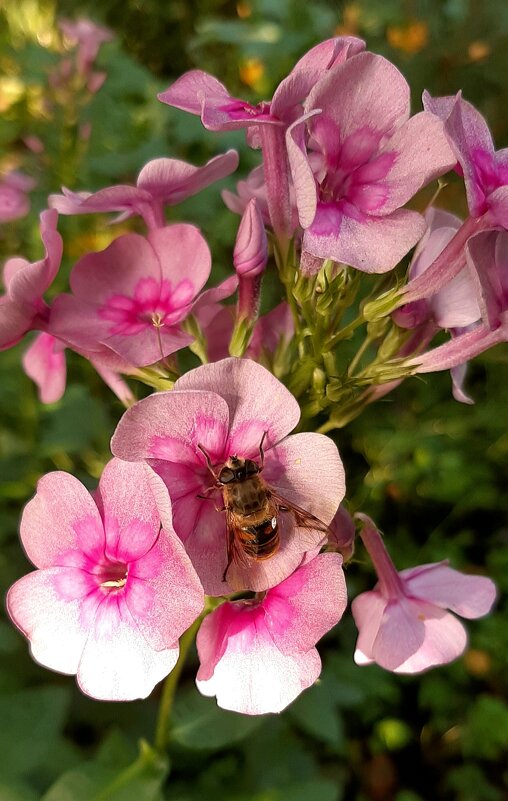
302, 518
235, 551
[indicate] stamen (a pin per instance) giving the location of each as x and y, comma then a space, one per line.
117, 583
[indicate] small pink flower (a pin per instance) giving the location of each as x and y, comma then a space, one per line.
403, 623
114, 590
88, 36
367, 159
14, 201
161, 182
226, 408
258, 656
133, 296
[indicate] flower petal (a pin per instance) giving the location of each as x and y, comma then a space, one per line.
61, 517
257, 402
467, 595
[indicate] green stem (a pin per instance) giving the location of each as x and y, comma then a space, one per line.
170, 685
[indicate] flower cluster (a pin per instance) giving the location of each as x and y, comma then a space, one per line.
208, 491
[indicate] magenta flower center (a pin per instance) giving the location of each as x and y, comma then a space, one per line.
355, 170
153, 303
489, 175
238, 109
112, 576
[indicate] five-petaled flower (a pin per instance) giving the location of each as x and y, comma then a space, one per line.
226, 409
114, 589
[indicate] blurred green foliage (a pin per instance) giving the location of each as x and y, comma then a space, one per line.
433, 473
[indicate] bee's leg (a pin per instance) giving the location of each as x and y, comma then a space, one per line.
230, 554
208, 461
204, 496
261, 451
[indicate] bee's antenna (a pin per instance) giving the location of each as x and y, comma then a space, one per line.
208, 461
261, 451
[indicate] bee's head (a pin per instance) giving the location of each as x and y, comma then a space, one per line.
238, 469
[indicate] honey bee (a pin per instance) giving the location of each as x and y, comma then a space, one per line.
252, 509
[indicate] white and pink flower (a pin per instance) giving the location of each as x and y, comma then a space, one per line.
403, 622
257, 656
114, 589
226, 408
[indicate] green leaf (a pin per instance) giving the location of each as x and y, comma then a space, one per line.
33, 718
17, 791
317, 790
198, 723
93, 781
316, 713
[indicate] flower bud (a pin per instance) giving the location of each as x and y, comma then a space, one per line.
251, 247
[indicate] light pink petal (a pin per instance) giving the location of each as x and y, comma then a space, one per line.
307, 470
44, 363
134, 501
421, 154
117, 663
300, 610
342, 532
205, 540
113, 198
14, 322
270, 408
459, 349
62, 517
115, 382
303, 176
485, 272
467, 595
173, 180
456, 304
28, 285
365, 92
145, 347
75, 322
182, 253
458, 376
57, 626
373, 245
471, 141
368, 610
13, 203
252, 676
115, 270
163, 592
171, 425
310, 68
414, 636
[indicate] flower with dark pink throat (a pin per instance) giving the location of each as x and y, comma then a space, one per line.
133, 296
367, 159
226, 409
257, 656
403, 622
114, 589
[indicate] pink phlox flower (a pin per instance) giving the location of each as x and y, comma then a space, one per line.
258, 656
133, 296
23, 306
487, 259
226, 408
88, 36
485, 170
366, 160
342, 533
403, 623
14, 201
161, 182
199, 93
113, 590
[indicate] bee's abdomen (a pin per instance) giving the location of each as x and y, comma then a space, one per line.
263, 540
